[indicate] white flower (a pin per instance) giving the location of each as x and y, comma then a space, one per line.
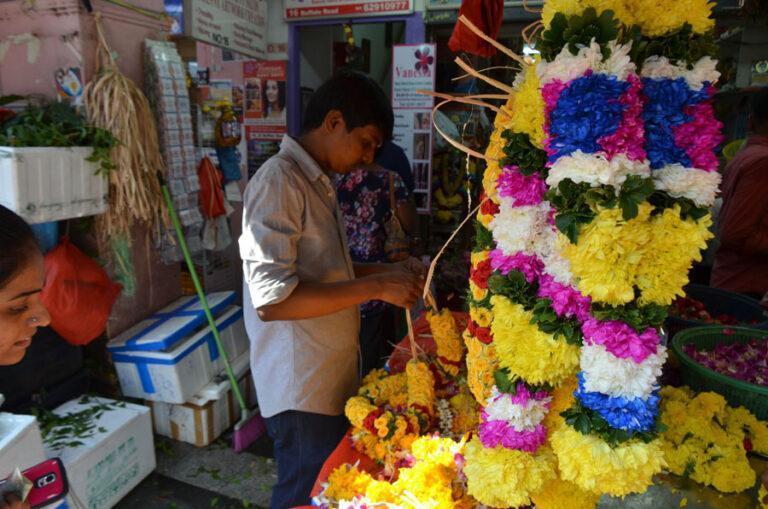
566, 66
681, 182
519, 228
555, 264
595, 169
703, 71
500, 407
608, 374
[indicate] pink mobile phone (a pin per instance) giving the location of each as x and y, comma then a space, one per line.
49, 483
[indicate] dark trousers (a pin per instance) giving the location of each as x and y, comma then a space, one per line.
377, 334
303, 441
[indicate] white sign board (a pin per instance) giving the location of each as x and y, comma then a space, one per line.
309, 9
413, 69
237, 25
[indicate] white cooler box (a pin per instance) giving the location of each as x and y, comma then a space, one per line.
170, 356
119, 455
210, 412
45, 184
20, 443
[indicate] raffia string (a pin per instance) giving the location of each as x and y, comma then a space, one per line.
529, 8
461, 77
468, 99
411, 335
495, 83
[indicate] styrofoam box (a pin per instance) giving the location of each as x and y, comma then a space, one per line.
44, 184
20, 443
111, 463
174, 375
210, 412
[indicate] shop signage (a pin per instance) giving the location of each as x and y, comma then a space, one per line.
455, 4
413, 69
309, 9
237, 25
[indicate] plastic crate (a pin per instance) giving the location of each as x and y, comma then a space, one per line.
720, 302
44, 184
738, 393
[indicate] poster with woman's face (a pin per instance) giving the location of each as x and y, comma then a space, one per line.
265, 98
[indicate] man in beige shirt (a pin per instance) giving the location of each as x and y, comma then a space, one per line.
302, 290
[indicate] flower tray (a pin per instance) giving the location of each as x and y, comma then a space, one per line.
738, 393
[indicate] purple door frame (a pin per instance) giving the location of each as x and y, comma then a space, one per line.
414, 33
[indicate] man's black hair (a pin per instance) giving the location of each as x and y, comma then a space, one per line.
760, 106
359, 99
18, 243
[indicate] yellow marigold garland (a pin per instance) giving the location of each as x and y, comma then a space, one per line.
529, 353
503, 477
481, 364
450, 349
421, 386
346, 482
562, 400
593, 465
357, 409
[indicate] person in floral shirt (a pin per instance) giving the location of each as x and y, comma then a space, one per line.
365, 203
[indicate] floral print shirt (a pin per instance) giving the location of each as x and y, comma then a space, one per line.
363, 196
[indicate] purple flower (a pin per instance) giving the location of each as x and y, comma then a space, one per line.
499, 433
700, 136
629, 138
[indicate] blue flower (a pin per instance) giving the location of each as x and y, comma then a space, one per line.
628, 414
587, 109
664, 109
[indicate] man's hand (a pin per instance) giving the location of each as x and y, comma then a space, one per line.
413, 265
399, 287
11, 501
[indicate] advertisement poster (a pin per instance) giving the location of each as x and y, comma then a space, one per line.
413, 69
259, 150
264, 98
237, 25
310, 9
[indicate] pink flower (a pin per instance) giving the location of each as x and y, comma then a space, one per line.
629, 138
524, 190
566, 301
620, 339
550, 93
495, 433
700, 136
529, 265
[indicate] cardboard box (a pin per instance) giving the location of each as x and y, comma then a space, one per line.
115, 459
20, 443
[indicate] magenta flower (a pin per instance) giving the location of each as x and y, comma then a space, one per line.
529, 265
620, 339
499, 433
523, 189
700, 136
566, 301
629, 138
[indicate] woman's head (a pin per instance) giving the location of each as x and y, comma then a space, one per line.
21, 280
274, 94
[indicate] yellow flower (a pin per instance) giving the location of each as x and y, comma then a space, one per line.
528, 114
622, 9
421, 386
502, 477
481, 316
447, 339
478, 256
481, 364
466, 415
492, 172
382, 425
559, 494
593, 465
762, 494
346, 482
357, 409
562, 399
477, 293
659, 17
529, 353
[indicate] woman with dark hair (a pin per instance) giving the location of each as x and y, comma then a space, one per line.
21, 281
274, 99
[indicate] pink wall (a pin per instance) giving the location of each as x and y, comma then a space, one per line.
157, 284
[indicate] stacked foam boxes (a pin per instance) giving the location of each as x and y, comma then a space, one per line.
172, 361
165, 84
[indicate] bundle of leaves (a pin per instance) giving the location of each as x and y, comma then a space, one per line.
578, 31
58, 125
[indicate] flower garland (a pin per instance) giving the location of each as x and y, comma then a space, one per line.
450, 349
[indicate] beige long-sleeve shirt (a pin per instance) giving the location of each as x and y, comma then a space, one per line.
293, 231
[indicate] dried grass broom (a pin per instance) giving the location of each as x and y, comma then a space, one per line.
115, 103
